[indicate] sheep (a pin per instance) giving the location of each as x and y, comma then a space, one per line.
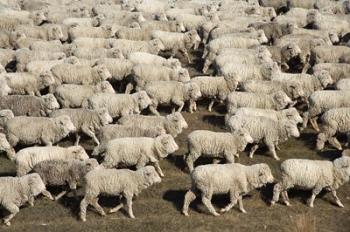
215, 88
329, 37
26, 83
91, 32
153, 46
171, 26
53, 45
27, 158
7, 56
72, 96
273, 30
50, 32
343, 84
16, 191
285, 55
95, 53
337, 71
61, 172
265, 130
24, 56
86, 121
39, 66
173, 123
309, 83
276, 101
118, 68
129, 184
5, 89
215, 145
80, 74
312, 174
6, 147
133, 33
166, 92
119, 105
143, 73
146, 58
334, 121
37, 130
137, 151
22, 105
321, 101
86, 21
9, 22
91, 43
175, 41
330, 54
235, 179
5, 115
294, 90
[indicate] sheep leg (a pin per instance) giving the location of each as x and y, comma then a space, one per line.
97, 206
47, 194
347, 139
184, 51
210, 107
313, 122
272, 149
129, 88
216, 161
91, 134
128, 198
335, 143
191, 158
191, 106
153, 109
77, 139
158, 169
252, 151
305, 119
276, 193
315, 192
31, 201
60, 195
83, 205
189, 197
233, 202
337, 200
230, 158
206, 199
117, 208
13, 209
180, 104
240, 203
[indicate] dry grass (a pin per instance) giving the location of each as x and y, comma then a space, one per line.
305, 223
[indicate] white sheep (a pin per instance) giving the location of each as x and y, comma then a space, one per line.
128, 46
16, 191
51, 32
37, 130
276, 101
235, 179
337, 71
173, 123
167, 92
146, 58
5, 115
118, 68
215, 145
265, 130
314, 175
343, 84
27, 158
125, 182
91, 32
119, 104
6, 147
95, 53
72, 96
330, 54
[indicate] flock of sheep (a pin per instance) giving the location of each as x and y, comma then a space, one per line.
77, 66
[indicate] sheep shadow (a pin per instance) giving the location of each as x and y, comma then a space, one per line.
308, 139
330, 154
215, 120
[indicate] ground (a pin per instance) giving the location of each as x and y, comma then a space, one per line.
159, 207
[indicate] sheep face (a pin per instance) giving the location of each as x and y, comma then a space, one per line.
261, 37
65, 124
321, 140
4, 89
245, 135
193, 91
168, 144
325, 78
269, 69
183, 75
38, 17
293, 115
104, 87
171, 63
290, 51
36, 184
55, 33
264, 174
47, 78
5, 146
178, 119
180, 27
157, 45
282, 100
292, 129
334, 38
6, 114
2, 69
150, 175
143, 99
104, 116
103, 72
193, 38
78, 152
288, 28
117, 53
91, 164
343, 163
50, 102
296, 89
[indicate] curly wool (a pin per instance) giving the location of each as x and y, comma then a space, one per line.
27, 158
118, 68
171, 26
337, 71
330, 54
6, 56
39, 66
91, 43
343, 84
146, 58
94, 53
90, 32
52, 32
129, 46
72, 96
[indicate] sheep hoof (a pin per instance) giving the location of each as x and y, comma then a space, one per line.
223, 210
185, 213
272, 203
83, 219
7, 223
340, 204
287, 203
243, 211
216, 214
277, 158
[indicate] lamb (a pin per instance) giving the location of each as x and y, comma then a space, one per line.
86, 121
91, 43
72, 96
215, 145
285, 55
6, 147
87, 21
24, 56
276, 101
337, 71
61, 172
133, 33
91, 32
146, 58
274, 30
50, 32
153, 46
236, 179
37, 130
39, 66
95, 53
9, 22
110, 132
334, 121
343, 84
330, 54
314, 175
215, 88
144, 73
137, 151
27, 158
173, 123
166, 92
322, 101
127, 183
269, 131
118, 68
119, 105
53, 45
294, 90
22, 105
171, 26
26, 83
175, 41
80, 74
16, 191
